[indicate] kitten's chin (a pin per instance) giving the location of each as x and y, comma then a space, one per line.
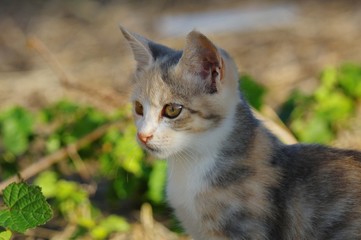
159, 153
155, 152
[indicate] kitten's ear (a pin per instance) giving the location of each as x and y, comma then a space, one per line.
140, 47
201, 58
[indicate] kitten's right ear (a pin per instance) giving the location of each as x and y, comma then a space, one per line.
140, 47
202, 59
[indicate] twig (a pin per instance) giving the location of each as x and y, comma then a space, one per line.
40, 232
80, 165
59, 155
106, 95
66, 233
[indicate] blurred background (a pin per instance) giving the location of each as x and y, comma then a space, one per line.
69, 57
282, 44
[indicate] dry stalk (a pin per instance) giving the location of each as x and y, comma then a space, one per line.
49, 160
105, 95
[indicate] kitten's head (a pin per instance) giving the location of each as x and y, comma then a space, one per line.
181, 98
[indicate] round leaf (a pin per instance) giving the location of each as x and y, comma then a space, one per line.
26, 207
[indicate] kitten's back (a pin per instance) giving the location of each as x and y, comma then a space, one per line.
319, 196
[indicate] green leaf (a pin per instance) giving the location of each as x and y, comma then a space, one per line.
16, 127
48, 180
129, 152
350, 79
61, 109
314, 130
329, 78
336, 107
53, 143
26, 207
295, 107
126, 185
5, 235
70, 190
114, 223
253, 91
157, 181
111, 224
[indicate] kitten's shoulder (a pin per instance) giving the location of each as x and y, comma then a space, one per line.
316, 151
301, 160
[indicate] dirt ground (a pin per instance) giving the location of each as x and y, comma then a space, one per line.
43, 42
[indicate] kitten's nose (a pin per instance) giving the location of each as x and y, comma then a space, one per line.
144, 138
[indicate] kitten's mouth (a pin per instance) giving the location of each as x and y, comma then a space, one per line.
155, 151
151, 148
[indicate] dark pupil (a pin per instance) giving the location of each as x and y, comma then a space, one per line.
172, 110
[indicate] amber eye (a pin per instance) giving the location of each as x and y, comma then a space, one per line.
172, 110
138, 108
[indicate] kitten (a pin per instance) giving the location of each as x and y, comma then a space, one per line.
228, 176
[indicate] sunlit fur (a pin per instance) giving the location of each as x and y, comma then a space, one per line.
228, 176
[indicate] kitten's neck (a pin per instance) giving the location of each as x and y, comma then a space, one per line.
213, 161
231, 136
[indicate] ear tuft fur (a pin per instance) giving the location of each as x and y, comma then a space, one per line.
140, 48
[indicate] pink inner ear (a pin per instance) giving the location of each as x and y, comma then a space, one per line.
206, 68
201, 57
209, 72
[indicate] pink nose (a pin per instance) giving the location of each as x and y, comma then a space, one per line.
144, 138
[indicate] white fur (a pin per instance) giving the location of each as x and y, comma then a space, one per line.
186, 174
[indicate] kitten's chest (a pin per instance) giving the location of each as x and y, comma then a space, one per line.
185, 183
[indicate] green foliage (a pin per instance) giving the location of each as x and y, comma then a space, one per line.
69, 195
16, 128
109, 225
252, 91
128, 152
73, 122
123, 162
316, 118
74, 204
156, 183
118, 161
5, 235
349, 77
26, 207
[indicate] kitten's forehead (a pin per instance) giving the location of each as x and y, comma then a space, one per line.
161, 84
151, 87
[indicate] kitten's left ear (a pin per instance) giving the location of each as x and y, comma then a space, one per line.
202, 59
140, 47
